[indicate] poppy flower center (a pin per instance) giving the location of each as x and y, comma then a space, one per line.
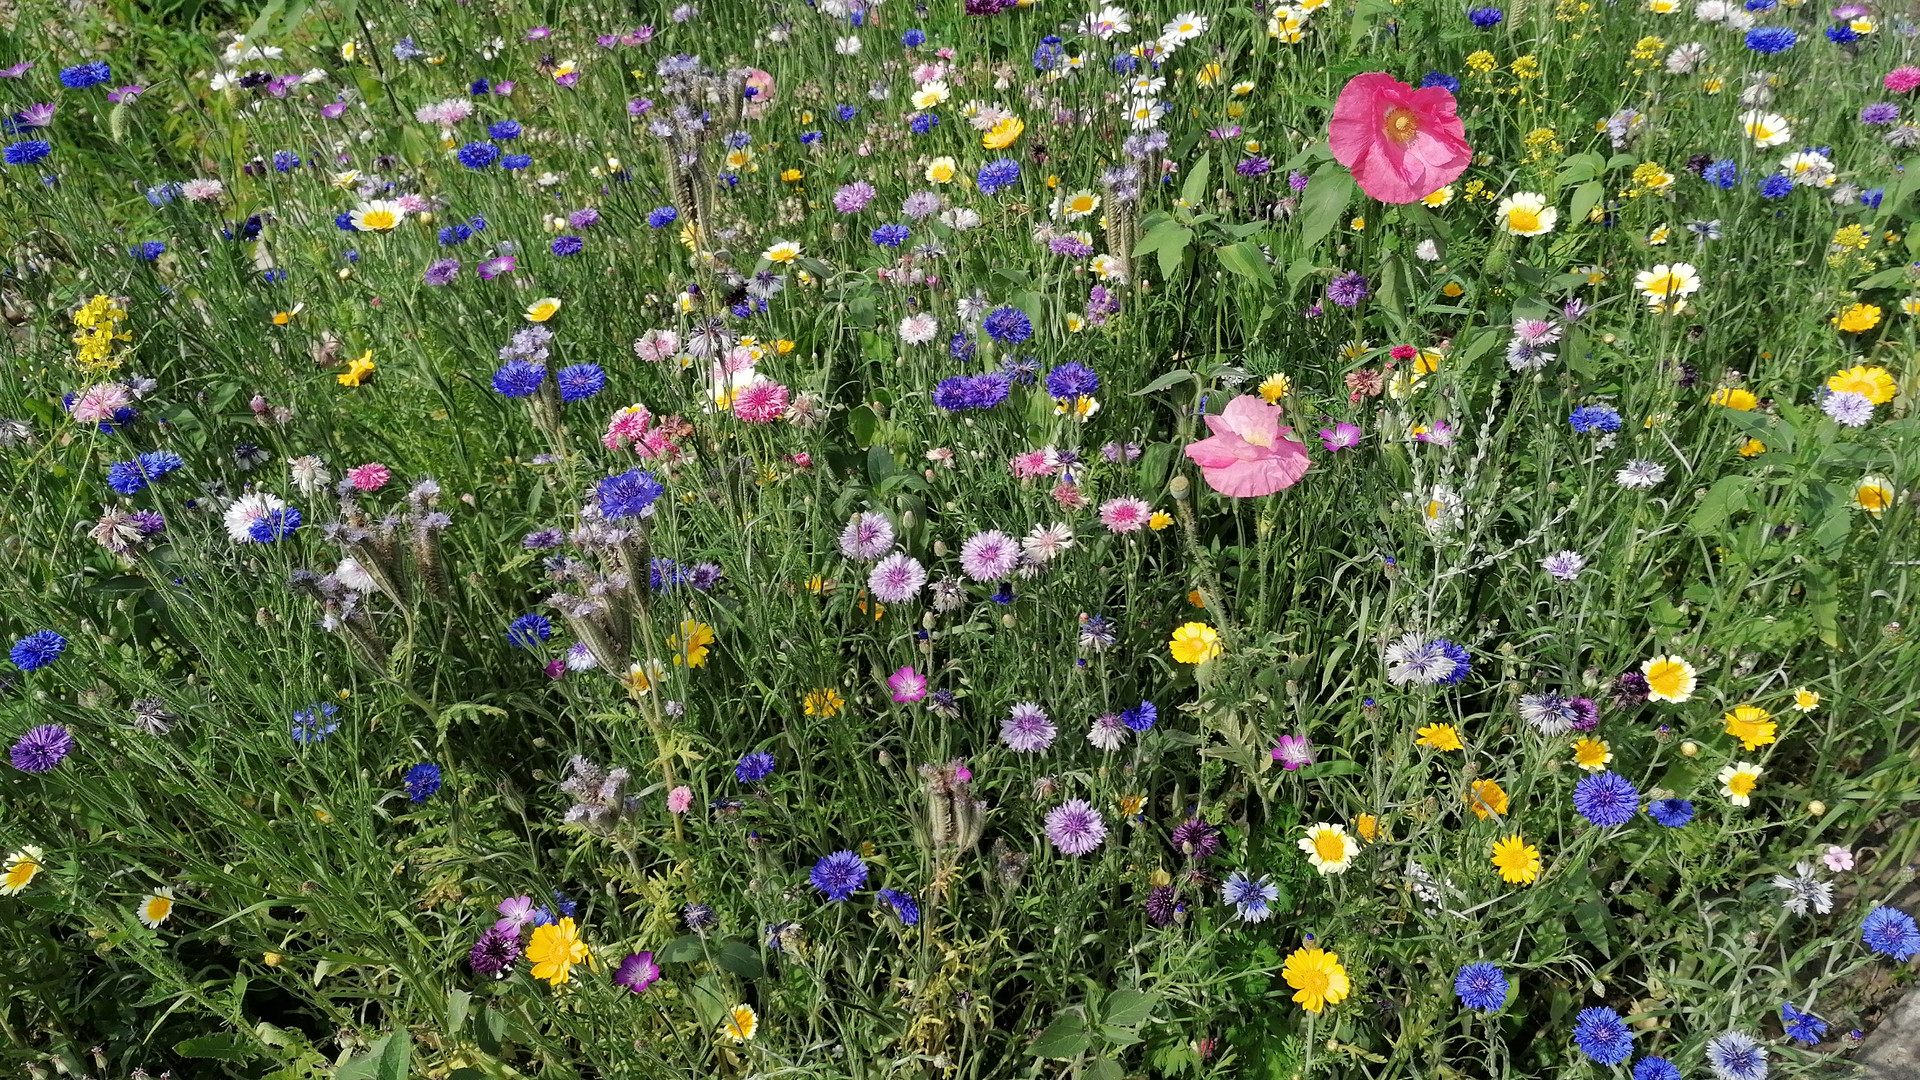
1402, 125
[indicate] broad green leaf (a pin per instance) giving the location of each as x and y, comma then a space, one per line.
389, 1058
1126, 1008
1065, 1038
1328, 193
742, 959
1728, 497
1246, 260
218, 1047
1322, 769
1171, 378
1194, 189
1585, 198
1103, 1069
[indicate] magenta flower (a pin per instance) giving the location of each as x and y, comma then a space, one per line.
333, 110
1293, 752
515, 912
637, 972
125, 93
1341, 436
539, 33
494, 267
907, 685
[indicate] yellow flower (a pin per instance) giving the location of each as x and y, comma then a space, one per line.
1733, 397
1131, 805
1752, 725
1196, 643
1805, 700
155, 907
271, 959
1440, 737
543, 309
1368, 827
1451, 288
347, 50
1873, 383
1873, 494
783, 346
1317, 978
1517, 860
1857, 319
690, 644
1358, 224
1003, 133
555, 948
1274, 387
1752, 447
1526, 213
1487, 798
792, 176
357, 370
1328, 847
1481, 61
825, 701
784, 251
1591, 754
22, 867
1738, 780
642, 677
282, 318
1207, 75
1160, 519
741, 1023
1669, 678
1242, 89
941, 170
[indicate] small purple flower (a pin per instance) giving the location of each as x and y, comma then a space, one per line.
1075, 827
1293, 752
1348, 289
1254, 166
442, 271
637, 972
42, 748
854, 197
1027, 729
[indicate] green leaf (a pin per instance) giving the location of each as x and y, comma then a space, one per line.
742, 959
1885, 279
1320, 770
265, 19
1127, 1008
1246, 260
1103, 1069
1327, 196
1195, 187
1171, 378
1585, 198
1065, 1038
457, 1003
388, 1058
1729, 496
219, 1047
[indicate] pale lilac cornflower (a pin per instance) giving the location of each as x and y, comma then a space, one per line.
1047, 542
1293, 752
1108, 732
1640, 474
1848, 408
1565, 565
866, 537
897, 579
921, 205
1075, 827
989, 555
1027, 729
853, 198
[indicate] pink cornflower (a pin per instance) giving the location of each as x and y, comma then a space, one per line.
369, 477
987, 556
496, 266
680, 800
656, 345
1075, 827
1068, 496
1125, 514
1293, 752
1903, 79
1342, 436
897, 579
626, 426
97, 403
202, 190
1536, 331
1027, 729
908, 685
761, 402
539, 33
1029, 465
414, 204
658, 443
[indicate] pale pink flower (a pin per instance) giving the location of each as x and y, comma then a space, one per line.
1250, 454
1125, 514
1837, 858
680, 800
202, 190
656, 345
1029, 465
97, 403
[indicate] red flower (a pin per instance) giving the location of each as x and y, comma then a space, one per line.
1402, 144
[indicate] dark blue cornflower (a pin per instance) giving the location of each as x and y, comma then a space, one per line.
1481, 987
808, 138
159, 463
274, 525
1761, 5
1871, 198
1602, 1035
913, 38
960, 347
314, 723
1606, 799
567, 908
27, 151
1842, 34
630, 494
267, 277
1049, 54
1655, 1068
890, 236
285, 161
1462, 662
739, 140
37, 650
1141, 717
1003, 595
1589, 419
1072, 380
1802, 1027
903, 906
1768, 40
422, 781
126, 477
456, 233
997, 174
1125, 64
1723, 174
516, 161
662, 216
845, 112
519, 378
1485, 18
478, 155
529, 630
754, 767
1008, 325
923, 122
580, 381
1440, 79
1673, 813
504, 130
838, 874
1886, 930
564, 246
479, 88
343, 221
148, 250
1777, 186
81, 76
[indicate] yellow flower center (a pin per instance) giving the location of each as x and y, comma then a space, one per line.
1402, 125
20, 873
378, 219
1873, 497
1741, 784
1330, 846
1521, 219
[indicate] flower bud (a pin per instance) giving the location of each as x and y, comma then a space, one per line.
1689, 749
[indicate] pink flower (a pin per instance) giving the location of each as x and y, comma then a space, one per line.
1903, 79
1342, 436
1249, 453
907, 685
627, 426
761, 402
503, 89
1293, 751
1125, 514
414, 204
1837, 858
1068, 496
1402, 144
539, 33
98, 403
759, 93
656, 345
494, 267
680, 800
1030, 464
515, 912
333, 110
556, 668
802, 460
369, 477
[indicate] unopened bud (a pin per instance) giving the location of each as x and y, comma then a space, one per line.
1689, 749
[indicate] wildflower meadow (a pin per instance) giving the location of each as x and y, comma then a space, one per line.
973, 539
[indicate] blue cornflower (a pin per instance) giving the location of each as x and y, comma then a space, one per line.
567, 245
529, 630
1723, 174
1887, 930
1072, 380
1485, 18
81, 76
838, 875
845, 112
1462, 662
479, 88
285, 161
504, 130
314, 723
903, 906
1125, 64
630, 494
923, 122
516, 161
890, 236
662, 216
27, 151
1606, 799
478, 155
1777, 186
1440, 79
808, 138
453, 234
997, 174
163, 193
422, 781
1871, 197
1802, 1027
567, 908
1602, 1035
1589, 419
754, 767
580, 381
1141, 717
913, 38
148, 250
1250, 897
1655, 1068
704, 576
664, 574
1672, 813
519, 378
1008, 325
1004, 594
960, 347
1842, 34
159, 463
739, 140
343, 221
274, 525
126, 477
37, 650
1734, 1055
1481, 987
1768, 40
1049, 54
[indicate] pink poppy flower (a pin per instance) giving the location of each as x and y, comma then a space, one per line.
1249, 453
1402, 144
760, 92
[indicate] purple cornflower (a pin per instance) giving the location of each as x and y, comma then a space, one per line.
442, 271
903, 906
1196, 839
1564, 565
1293, 751
1880, 113
1254, 166
989, 556
897, 579
866, 537
754, 767
1075, 827
1162, 904
838, 874
42, 748
495, 952
1348, 289
1008, 325
1606, 799
1027, 729
853, 198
